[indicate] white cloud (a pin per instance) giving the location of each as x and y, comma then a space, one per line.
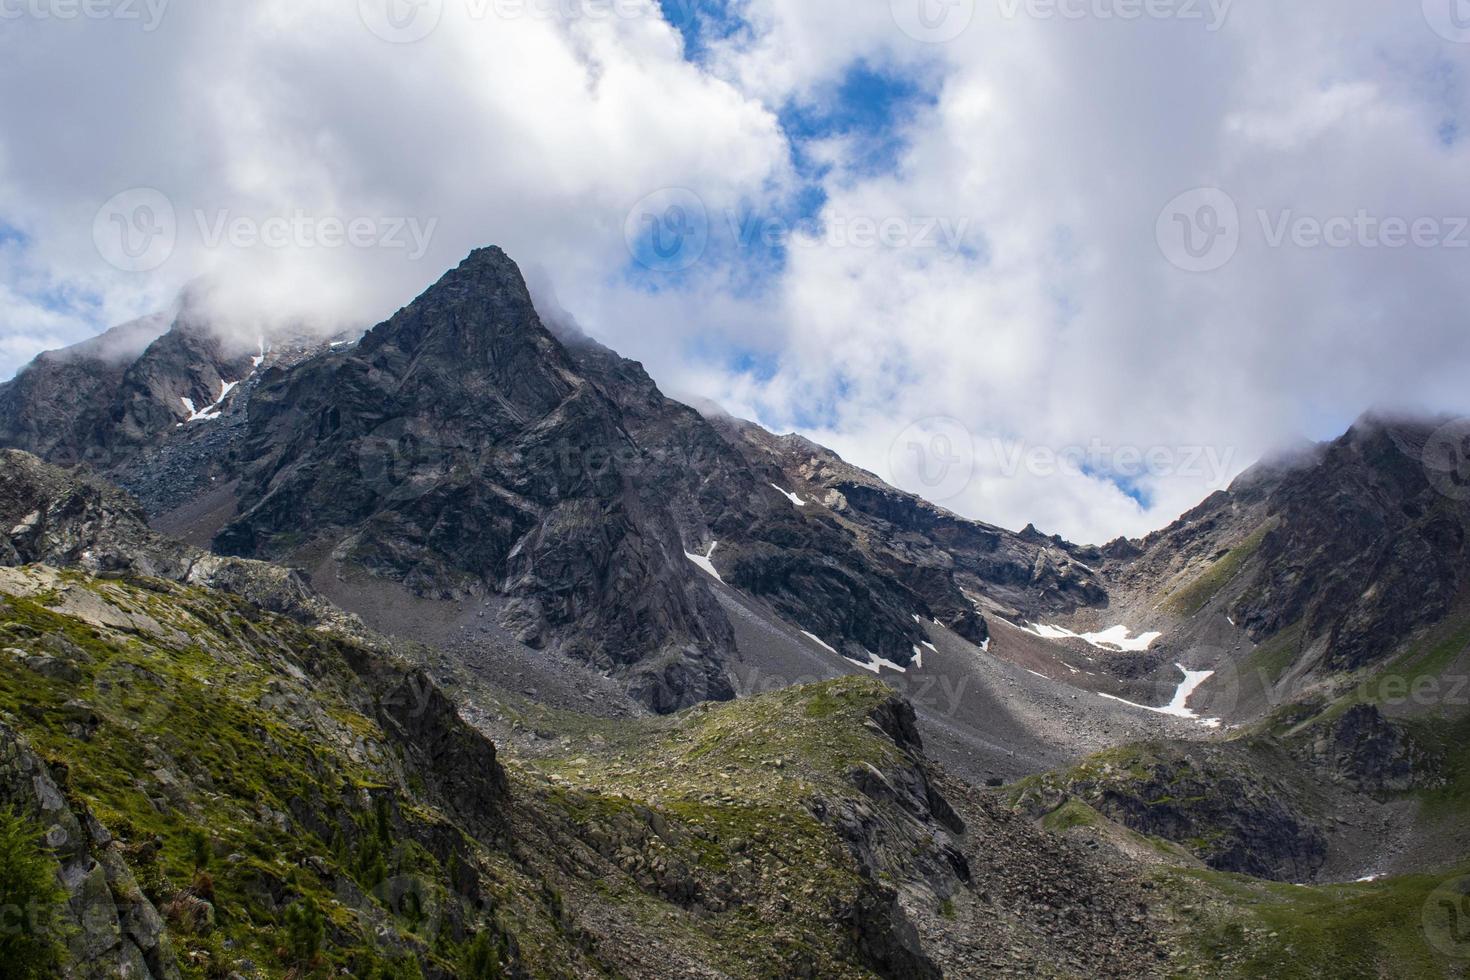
1055, 142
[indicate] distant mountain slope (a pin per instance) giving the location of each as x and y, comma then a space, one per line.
61, 405
1329, 560
106, 399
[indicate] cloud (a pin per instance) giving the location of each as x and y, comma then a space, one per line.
325, 174
1064, 326
984, 249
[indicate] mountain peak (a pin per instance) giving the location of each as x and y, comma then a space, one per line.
479, 314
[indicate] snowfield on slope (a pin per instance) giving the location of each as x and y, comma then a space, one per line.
1179, 707
703, 561
1116, 638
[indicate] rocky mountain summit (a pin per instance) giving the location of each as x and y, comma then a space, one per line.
467, 451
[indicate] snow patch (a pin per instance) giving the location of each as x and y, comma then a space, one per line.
817, 640
213, 411
789, 496
1115, 638
1179, 707
875, 663
703, 561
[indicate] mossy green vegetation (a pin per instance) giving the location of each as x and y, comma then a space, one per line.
1242, 927
1271, 660
235, 756
724, 792
31, 933
1191, 598
242, 762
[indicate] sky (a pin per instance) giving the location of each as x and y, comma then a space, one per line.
1073, 263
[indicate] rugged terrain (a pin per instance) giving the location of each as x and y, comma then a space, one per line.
689, 698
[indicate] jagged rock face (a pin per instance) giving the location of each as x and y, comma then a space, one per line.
1350, 540
1228, 804
943, 558
111, 929
1369, 751
60, 405
804, 562
1366, 549
450, 450
48, 516
102, 401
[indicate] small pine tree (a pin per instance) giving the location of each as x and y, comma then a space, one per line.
30, 922
306, 929
199, 849
481, 958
